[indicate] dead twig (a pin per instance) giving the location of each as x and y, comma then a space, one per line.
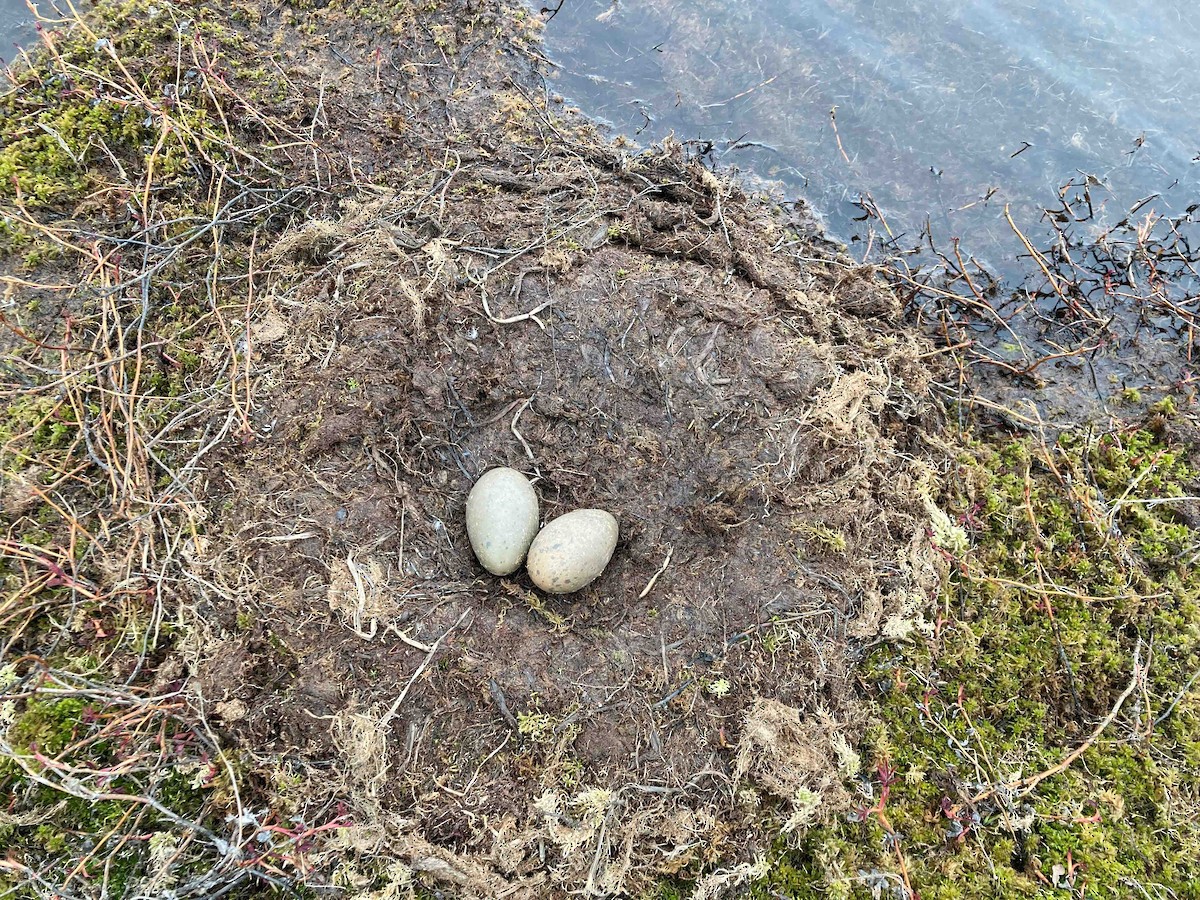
654, 578
433, 649
510, 320
513, 428
837, 137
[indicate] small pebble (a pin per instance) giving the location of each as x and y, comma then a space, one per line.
502, 519
572, 551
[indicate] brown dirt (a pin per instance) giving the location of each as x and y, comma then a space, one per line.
739, 397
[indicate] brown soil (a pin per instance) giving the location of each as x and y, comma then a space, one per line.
743, 400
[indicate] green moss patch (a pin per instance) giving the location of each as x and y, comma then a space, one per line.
115, 795
112, 103
1043, 738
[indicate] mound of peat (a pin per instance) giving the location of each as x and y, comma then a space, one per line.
643, 338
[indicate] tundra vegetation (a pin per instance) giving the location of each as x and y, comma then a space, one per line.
961, 661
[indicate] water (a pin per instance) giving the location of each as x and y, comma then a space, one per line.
933, 98
909, 123
16, 28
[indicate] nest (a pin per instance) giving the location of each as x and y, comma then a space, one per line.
632, 338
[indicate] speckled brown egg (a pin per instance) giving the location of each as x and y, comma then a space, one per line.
502, 518
572, 551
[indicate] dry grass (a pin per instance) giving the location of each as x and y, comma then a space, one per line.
127, 359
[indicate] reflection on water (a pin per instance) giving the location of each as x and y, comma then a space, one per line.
934, 113
945, 110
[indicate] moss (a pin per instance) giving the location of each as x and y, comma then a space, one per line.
539, 727
1079, 565
49, 153
96, 740
110, 105
1165, 407
46, 726
822, 538
674, 889
33, 425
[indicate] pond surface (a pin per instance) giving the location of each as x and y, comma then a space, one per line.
908, 124
945, 111
16, 28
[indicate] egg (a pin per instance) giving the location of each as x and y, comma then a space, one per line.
572, 551
502, 519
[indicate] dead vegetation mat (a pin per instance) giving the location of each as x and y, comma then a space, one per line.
483, 281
